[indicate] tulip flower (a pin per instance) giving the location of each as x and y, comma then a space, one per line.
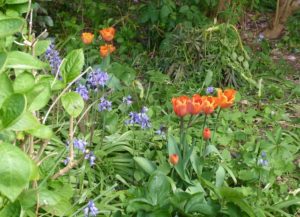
209, 104
174, 158
87, 37
106, 49
226, 98
206, 134
181, 105
108, 34
195, 105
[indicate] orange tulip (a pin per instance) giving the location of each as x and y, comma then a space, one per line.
108, 34
209, 104
106, 49
206, 134
181, 105
226, 98
173, 158
87, 37
195, 105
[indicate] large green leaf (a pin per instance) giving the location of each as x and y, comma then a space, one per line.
27, 122
39, 96
73, 103
6, 87
21, 60
15, 171
9, 25
15, 1
12, 109
145, 164
159, 189
41, 131
41, 47
3, 58
220, 176
72, 65
11, 210
24, 82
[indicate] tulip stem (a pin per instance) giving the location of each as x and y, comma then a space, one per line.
216, 124
182, 135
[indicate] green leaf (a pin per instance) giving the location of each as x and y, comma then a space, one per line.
12, 109
20, 8
72, 65
21, 60
72, 103
220, 176
39, 96
165, 11
11, 210
15, 171
9, 25
15, 1
42, 132
3, 58
41, 47
24, 82
208, 77
27, 122
145, 164
6, 87
159, 189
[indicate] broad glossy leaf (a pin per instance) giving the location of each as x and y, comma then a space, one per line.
27, 122
72, 65
11, 210
15, 171
159, 189
9, 25
72, 103
39, 96
3, 58
24, 82
6, 87
42, 132
21, 60
12, 109
145, 164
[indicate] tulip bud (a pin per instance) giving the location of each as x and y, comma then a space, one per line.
173, 158
206, 134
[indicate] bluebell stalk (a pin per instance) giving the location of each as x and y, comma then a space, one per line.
53, 57
91, 209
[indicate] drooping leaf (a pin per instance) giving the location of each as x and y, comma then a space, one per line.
12, 109
72, 103
39, 96
72, 65
27, 122
23, 82
145, 164
15, 171
9, 25
6, 87
21, 60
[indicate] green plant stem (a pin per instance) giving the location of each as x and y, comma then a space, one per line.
182, 136
204, 123
216, 125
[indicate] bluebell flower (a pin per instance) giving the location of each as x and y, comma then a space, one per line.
263, 162
83, 92
52, 56
97, 78
141, 118
161, 131
91, 209
67, 160
80, 144
127, 100
263, 154
210, 90
91, 157
104, 105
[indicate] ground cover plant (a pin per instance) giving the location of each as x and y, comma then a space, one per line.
149, 108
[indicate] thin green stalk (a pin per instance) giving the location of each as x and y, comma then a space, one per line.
182, 135
216, 125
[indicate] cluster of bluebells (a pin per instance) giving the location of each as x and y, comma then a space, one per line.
127, 100
97, 78
263, 161
104, 105
210, 90
83, 92
91, 157
141, 118
52, 56
90, 209
80, 144
161, 131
